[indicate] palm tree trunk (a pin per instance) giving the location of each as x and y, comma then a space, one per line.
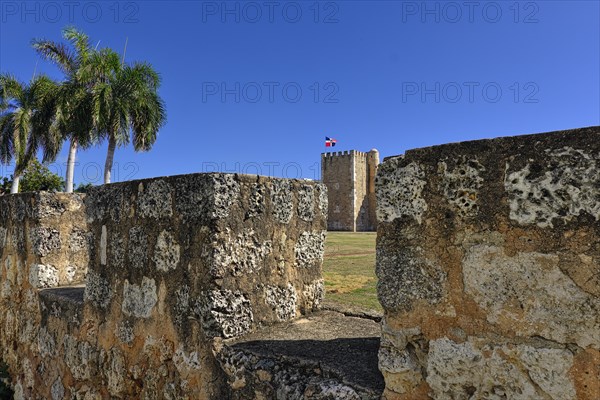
110, 155
71, 165
15, 184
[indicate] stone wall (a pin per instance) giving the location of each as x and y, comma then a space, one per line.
488, 258
373, 164
349, 177
361, 192
337, 173
44, 243
173, 264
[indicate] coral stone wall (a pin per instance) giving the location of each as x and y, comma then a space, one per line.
44, 243
175, 262
488, 258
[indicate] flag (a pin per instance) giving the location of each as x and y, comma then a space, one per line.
330, 142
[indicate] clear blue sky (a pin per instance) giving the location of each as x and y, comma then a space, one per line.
393, 75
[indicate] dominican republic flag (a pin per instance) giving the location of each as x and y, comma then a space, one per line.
330, 142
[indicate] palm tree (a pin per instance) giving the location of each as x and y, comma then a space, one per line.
73, 110
128, 108
104, 98
26, 122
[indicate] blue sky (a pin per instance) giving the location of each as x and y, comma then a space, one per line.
256, 86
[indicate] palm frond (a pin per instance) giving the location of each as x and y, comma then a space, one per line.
12, 91
6, 138
80, 42
58, 53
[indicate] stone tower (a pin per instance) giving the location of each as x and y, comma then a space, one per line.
350, 180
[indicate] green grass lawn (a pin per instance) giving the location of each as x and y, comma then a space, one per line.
349, 269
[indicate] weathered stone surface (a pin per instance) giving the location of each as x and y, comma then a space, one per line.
528, 293
281, 197
488, 259
226, 191
323, 201
42, 276
154, 199
310, 248
225, 313
2, 237
283, 300
58, 390
80, 357
400, 358
45, 240
239, 254
79, 240
306, 199
324, 356
400, 190
563, 185
415, 278
97, 290
314, 293
479, 369
169, 266
166, 252
257, 201
139, 300
461, 185
137, 249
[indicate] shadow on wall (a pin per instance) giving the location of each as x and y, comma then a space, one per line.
5, 392
363, 221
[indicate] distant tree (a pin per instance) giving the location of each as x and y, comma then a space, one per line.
36, 177
73, 113
103, 98
5, 185
128, 108
83, 187
26, 117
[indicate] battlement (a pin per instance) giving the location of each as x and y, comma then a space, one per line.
337, 153
344, 153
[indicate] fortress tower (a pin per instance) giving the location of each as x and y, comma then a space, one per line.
350, 180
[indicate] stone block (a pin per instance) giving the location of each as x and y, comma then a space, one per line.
169, 265
488, 259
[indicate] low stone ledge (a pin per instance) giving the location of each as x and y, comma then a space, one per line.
350, 310
325, 356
